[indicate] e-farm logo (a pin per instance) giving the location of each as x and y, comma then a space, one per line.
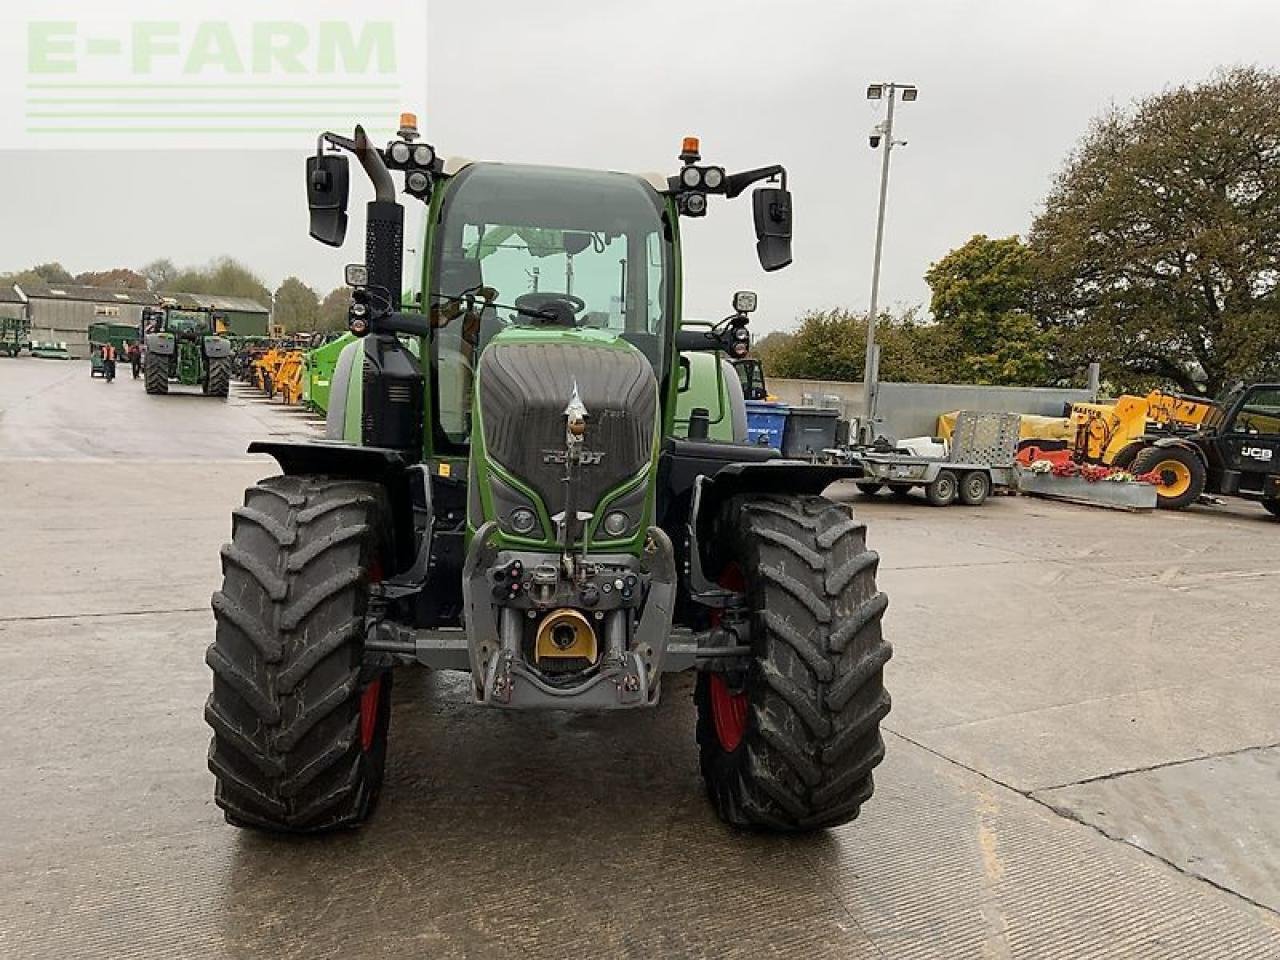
201, 73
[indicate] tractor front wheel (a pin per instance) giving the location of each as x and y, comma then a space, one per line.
789, 744
1181, 471
156, 370
218, 383
299, 722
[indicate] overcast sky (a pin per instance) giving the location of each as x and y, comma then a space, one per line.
1006, 88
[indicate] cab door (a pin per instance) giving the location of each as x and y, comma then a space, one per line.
1250, 440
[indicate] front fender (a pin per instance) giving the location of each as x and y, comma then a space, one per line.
161, 344
217, 348
1164, 443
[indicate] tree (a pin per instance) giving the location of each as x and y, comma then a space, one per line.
41, 273
982, 294
831, 345
159, 273
295, 306
223, 277
1159, 244
118, 277
332, 315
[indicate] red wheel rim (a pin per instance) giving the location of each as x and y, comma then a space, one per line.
728, 709
369, 713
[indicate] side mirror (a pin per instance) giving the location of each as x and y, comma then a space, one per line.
772, 209
328, 185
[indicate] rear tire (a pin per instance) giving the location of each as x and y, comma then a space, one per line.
299, 723
869, 488
156, 369
975, 487
942, 491
808, 710
1182, 475
219, 381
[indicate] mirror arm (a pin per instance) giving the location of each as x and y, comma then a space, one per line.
735, 183
384, 188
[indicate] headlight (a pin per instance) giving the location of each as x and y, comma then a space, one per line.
522, 520
695, 204
713, 178
691, 177
616, 523
423, 155
400, 152
417, 182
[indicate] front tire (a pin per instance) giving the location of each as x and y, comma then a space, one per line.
218, 383
299, 723
790, 746
1182, 475
157, 374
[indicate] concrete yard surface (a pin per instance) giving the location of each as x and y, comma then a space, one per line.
1081, 761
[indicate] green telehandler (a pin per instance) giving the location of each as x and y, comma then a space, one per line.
520, 502
182, 346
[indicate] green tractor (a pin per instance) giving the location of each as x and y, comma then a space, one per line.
182, 346
521, 502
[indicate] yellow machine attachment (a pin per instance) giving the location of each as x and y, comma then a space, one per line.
1105, 432
288, 376
565, 639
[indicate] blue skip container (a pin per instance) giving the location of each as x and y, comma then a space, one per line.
766, 422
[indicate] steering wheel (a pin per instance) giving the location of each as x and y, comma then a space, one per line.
565, 306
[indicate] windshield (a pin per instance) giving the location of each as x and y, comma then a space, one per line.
186, 321
568, 247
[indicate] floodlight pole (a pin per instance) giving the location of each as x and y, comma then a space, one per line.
871, 369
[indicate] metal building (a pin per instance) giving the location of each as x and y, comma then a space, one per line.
238, 316
62, 312
12, 305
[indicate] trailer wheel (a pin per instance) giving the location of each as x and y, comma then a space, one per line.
942, 491
975, 487
299, 723
790, 744
218, 383
1272, 507
1181, 471
156, 371
869, 488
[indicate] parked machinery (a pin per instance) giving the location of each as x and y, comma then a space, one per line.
1234, 451
1115, 433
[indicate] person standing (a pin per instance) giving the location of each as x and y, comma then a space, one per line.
109, 361
135, 358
